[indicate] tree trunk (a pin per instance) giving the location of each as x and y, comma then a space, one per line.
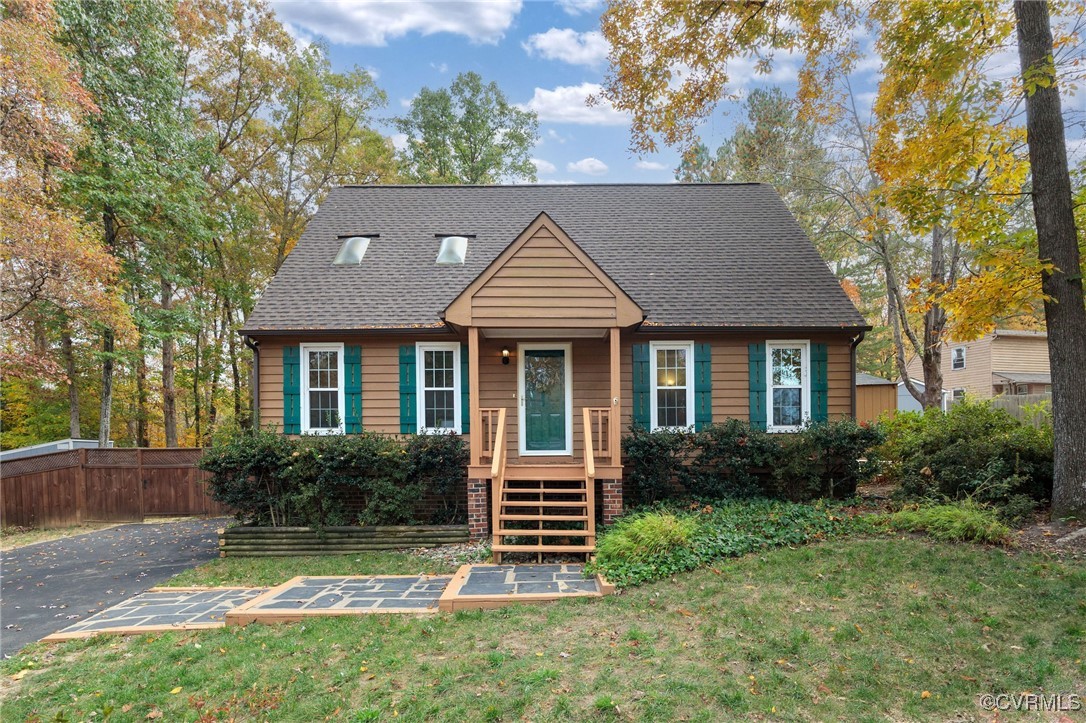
105, 412
106, 409
73, 389
934, 325
1057, 243
142, 438
169, 390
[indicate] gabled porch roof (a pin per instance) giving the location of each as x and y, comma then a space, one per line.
543, 279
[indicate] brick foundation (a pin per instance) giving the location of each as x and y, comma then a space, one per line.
478, 508
612, 500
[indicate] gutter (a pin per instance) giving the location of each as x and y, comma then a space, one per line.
852, 365
254, 384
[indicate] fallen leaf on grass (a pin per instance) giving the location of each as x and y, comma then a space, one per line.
176, 690
925, 695
685, 613
20, 674
154, 714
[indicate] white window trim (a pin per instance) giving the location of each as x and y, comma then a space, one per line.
688, 347
522, 439
304, 350
420, 385
805, 384
954, 351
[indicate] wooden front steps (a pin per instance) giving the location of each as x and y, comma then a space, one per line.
543, 508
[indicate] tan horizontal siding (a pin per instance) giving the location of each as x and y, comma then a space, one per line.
1018, 354
873, 400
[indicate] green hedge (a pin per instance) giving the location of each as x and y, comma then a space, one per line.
973, 451
328, 480
728, 460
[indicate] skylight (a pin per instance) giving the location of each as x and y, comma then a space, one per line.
453, 251
352, 251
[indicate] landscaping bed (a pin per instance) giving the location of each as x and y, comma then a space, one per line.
253, 541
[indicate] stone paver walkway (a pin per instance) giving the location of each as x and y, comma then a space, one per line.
163, 609
527, 580
309, 596
472, 587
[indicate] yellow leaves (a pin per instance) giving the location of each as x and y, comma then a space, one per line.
176, 690
925, 695
21, 674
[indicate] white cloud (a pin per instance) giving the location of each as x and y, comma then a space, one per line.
650, 166
406, 102
373, 71
374, 22
588, 166
576, 7
566, 104
542, 166
399, 141
569, 46
553, 135
440, 67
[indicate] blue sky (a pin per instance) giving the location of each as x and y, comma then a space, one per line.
547, 56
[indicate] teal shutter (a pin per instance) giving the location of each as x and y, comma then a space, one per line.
641, 387
757, 382
465, 392
819, 383
408, 391
703, 386
352, 367
292, 390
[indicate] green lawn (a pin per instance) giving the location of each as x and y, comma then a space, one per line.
853, 629
261, 571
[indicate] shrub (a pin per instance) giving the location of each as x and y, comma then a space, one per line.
965, 521
323, 480
974, 450
642, 536
653, 463
247, 475
732, 460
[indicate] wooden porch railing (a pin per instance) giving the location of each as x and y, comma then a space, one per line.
490, 425
590, 469
497, 466
597, 432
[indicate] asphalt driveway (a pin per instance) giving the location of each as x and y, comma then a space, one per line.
50, 585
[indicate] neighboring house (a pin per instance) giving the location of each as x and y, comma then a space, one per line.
61, 445
906, 402
1006, 361
571, 312
874, 397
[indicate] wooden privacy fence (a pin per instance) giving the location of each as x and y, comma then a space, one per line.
103, 485
1026, 408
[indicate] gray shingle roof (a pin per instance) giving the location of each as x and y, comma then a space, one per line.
688, 254
863, 379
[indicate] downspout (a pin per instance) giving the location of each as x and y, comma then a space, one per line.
254, 383
852, 366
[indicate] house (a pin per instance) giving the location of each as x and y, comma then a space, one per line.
1006, 361
542, 321
906, 402
874, 397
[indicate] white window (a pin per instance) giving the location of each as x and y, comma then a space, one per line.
957, 358
788, 403
958, 394
439, 387
322, 388
671, 368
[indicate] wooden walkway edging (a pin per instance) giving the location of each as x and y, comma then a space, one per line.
248, 541
104, 485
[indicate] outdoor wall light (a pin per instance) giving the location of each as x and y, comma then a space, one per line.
505, 355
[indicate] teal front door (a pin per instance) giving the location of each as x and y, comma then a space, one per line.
544, 393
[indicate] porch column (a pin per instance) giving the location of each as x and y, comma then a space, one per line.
615, 428
475, 434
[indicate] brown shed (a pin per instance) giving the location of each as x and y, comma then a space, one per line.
874, 397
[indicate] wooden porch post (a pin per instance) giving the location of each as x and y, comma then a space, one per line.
475, 435
615, 427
